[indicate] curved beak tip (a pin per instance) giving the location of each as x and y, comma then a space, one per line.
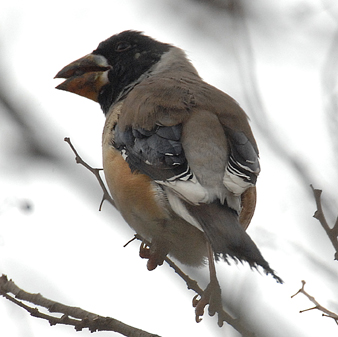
85, 76
58, 75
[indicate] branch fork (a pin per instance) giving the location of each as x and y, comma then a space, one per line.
318, 306
332, 233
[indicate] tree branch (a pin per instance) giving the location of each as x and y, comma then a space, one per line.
95, 171
319, 215
326, 312
74, 316
80, 318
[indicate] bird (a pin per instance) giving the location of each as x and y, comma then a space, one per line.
179, 155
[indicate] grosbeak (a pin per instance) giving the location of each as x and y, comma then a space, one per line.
179, 156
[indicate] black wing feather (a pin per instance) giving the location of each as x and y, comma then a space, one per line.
243, 159
157, 153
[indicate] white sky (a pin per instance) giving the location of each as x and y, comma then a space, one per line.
69, 252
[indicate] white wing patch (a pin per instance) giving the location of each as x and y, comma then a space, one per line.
178, 207
235, 183
189, 189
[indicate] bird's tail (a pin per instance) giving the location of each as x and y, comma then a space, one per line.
227, 237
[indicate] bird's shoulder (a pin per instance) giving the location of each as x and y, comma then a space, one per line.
171, 99
157, 100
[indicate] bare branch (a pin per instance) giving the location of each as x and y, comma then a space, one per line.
319, 215
95, 171
326, 312
191, 284
73, 316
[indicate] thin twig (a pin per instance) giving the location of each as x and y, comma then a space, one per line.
326, 312
74, 316
95, 171
319, 215
191, 284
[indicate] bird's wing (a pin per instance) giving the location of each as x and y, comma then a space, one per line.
173, 133
150, 126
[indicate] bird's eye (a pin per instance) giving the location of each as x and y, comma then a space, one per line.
122, 46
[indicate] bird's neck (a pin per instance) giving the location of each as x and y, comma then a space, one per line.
173, 63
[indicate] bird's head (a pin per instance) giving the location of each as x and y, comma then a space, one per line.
115, 65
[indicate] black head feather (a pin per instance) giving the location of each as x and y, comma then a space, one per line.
130, 54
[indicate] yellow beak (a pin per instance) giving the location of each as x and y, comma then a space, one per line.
85, 76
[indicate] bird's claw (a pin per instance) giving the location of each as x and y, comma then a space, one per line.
144, 251
212, 297
154, 257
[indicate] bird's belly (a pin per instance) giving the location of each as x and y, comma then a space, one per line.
134, 194
146, 210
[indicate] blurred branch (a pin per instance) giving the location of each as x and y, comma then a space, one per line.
218, 4
326, 312
332, 233
23, 118
248, 74
247, 70
329, 82
73, 316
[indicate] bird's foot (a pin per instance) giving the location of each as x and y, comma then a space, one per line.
155, 258
144, 250
212, 297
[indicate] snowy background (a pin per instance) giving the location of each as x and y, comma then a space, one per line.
277, 59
